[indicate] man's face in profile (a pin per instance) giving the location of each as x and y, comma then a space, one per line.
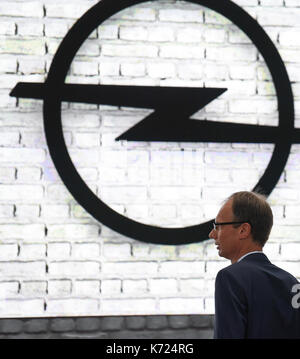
226, 237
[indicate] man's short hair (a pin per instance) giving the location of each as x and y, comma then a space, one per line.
253, 207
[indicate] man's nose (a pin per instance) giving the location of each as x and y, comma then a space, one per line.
212, 234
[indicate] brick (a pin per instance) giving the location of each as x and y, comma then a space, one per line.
7, 28
58, 10
73, 305
111, 250
174, 194
62, 325
161, 70
22, 231
21, 155
135, 286
21, 308
291, 211
34, 139
243, 72
55, 211
245, 176
135, 322
156, 322
163, 286
35, 29
108, 32
236, 159
133, 13
74, 231
6, 211
90, 48
181, 15
111, 323
28, 174
131, 194
291, 3
58, 250
201, 321
33, 251
8, 81
23, 269
36, 326
192, 71
192, 286
109, 68
180, 305
129, 306
87, 288
22, 46
290, 251
57, 28
133, 33
161, 211
190, 34
8, 251
273, 3
87, 324
59, 288
74, 269
89, 174
58, 192
110, 286
242, 53
214, 35
179, 321
182, 268
28, 211
278, 16
272, 250
35, 289
84, 68
85, 157
126, 268
32, 66
86, 250
7, 174
192, 250
133, 69
160, 33
238, 37
128, 50
11, 326
6, 101
181, 51
87, 139
8, 65
24, 9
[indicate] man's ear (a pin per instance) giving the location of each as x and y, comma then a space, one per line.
245, 230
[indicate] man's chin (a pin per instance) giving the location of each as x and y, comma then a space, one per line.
221, 253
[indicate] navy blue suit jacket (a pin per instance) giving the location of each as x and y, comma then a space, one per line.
253, 299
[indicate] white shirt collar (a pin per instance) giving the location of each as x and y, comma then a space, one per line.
247, 254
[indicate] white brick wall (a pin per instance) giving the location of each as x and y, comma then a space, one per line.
55, 259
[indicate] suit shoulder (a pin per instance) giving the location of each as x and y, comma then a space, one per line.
237, 271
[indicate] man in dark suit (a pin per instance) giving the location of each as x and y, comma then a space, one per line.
253, 297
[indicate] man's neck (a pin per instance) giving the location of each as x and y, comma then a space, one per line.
244, 251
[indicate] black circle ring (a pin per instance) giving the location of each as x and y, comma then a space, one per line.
59, 153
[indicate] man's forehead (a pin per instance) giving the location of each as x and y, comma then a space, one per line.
226, 210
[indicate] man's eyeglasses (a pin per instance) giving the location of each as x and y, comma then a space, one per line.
216, 224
